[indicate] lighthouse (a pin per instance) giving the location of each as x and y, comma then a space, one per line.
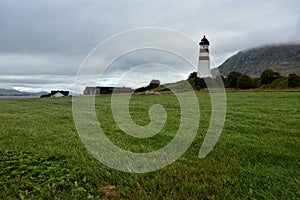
203, 64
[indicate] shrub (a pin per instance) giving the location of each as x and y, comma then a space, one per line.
196, 82
192, 75
268, 76
293, 80
244, 82
233, 79
256, 82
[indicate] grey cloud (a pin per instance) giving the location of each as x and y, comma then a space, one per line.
140, 57
53, 37
35, 79
34, 64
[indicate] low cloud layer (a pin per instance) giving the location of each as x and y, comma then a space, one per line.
43, 43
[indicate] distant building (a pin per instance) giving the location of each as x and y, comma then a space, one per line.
56, 93
59, 92
155, 82
106, 90
151, 92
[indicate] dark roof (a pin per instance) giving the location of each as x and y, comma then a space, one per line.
204, 41
65, 93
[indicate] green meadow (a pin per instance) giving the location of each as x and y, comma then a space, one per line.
257, 155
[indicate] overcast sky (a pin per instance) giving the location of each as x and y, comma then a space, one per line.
43, 43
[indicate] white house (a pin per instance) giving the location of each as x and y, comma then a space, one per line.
57, 94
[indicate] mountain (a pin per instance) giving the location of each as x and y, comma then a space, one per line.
12, 92
284, 59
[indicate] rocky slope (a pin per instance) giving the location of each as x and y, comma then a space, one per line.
281, 58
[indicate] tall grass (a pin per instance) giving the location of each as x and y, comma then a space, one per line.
256, 157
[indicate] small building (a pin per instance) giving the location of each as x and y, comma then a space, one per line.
59, 93
151, 92
155, 82
106, 90
56, 93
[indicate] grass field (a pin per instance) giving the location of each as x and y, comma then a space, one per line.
256, 157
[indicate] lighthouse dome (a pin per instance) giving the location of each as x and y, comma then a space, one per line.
204, 41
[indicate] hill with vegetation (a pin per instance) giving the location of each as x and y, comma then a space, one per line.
284, 59
268, 79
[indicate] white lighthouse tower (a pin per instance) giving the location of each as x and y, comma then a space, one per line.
203, 64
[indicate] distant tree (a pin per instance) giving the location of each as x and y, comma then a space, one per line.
268, 76
45, 95
233, 78
200, 83
279, 83
293, 80
196, 82
256, 82
192, 75
245, 82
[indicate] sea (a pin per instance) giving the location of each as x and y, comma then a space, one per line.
19, 97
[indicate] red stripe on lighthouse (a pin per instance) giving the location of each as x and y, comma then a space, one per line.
203, 57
